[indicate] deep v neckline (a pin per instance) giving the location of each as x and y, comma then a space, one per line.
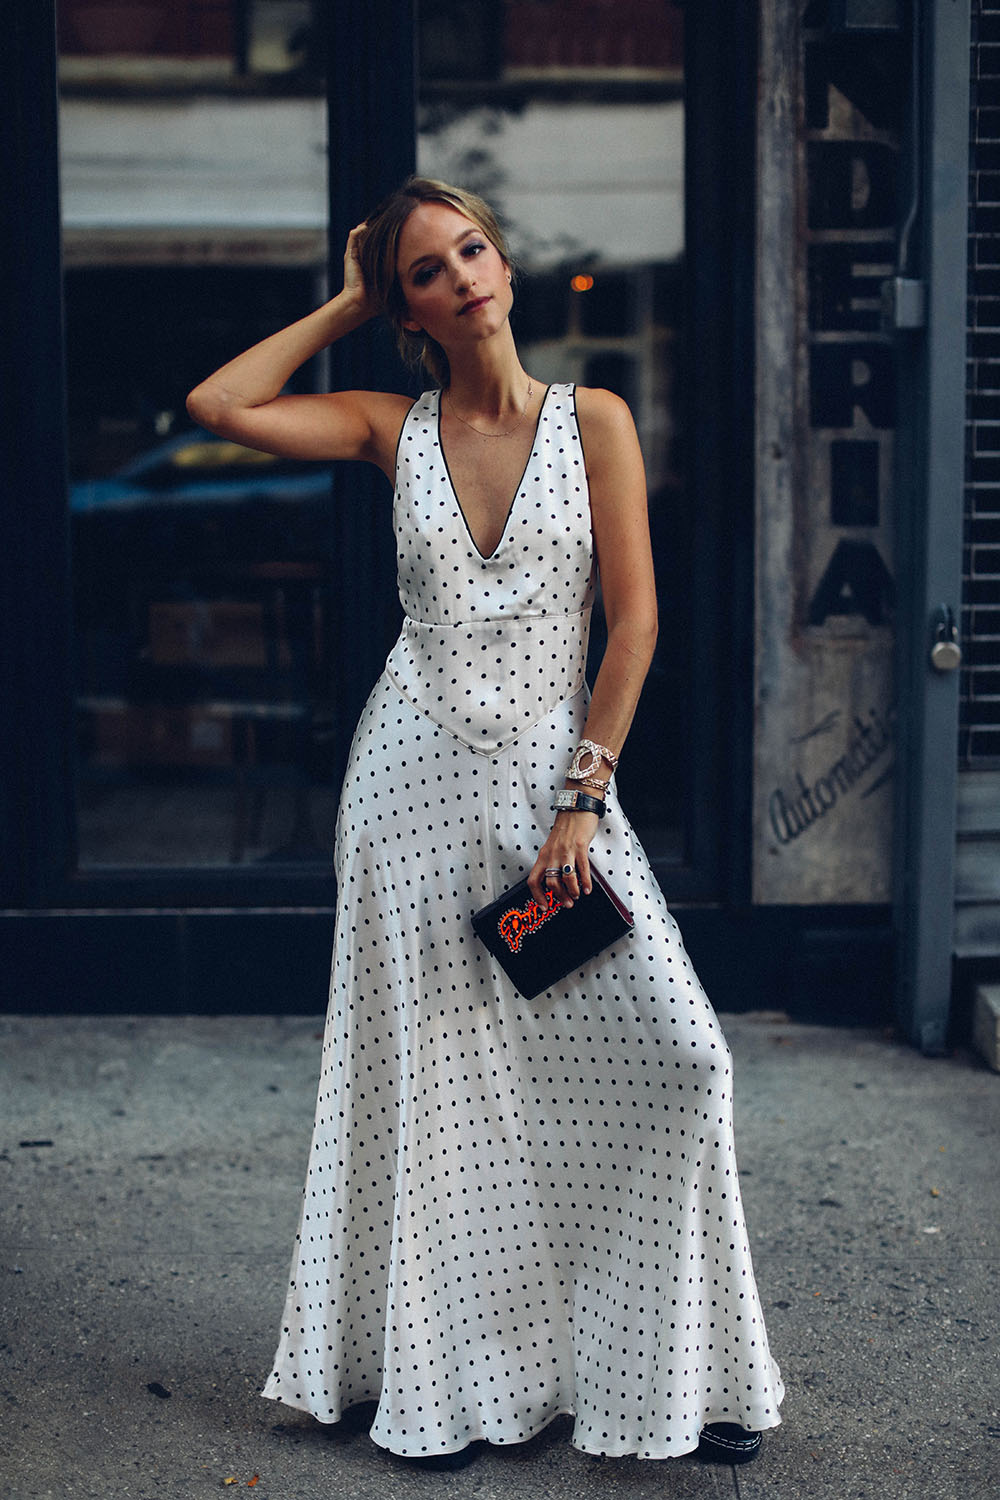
488, 556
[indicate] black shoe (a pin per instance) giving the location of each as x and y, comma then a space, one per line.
727, 1443
445, 1461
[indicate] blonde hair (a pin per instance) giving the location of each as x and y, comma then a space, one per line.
380, 249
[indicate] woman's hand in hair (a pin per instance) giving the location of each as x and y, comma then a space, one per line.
354, 281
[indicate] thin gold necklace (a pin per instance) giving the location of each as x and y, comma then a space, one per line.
510, 430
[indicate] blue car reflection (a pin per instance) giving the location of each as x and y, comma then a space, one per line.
197, 468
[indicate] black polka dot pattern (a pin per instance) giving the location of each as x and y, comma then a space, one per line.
513, 1209
491, 644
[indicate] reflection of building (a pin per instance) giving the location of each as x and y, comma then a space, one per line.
773, 280
231, 172
192, 29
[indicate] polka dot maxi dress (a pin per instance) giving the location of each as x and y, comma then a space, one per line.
514, 1209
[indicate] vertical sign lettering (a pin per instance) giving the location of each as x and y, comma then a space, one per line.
823, 754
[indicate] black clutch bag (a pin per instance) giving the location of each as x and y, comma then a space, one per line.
539, 943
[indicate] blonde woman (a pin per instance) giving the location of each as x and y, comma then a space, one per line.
513, 1210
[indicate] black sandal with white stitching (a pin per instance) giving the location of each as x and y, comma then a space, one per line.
727, 1443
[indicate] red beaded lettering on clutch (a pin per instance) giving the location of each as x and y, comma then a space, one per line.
516, 924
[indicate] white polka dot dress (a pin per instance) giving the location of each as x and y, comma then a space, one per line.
514, 1209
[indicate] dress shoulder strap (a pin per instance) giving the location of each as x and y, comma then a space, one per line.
424, 409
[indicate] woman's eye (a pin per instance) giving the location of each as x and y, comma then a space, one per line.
473, 249
424, 275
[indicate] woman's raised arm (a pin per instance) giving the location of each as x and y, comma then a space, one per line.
242, 399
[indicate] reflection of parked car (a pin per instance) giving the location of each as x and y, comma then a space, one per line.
197, 468
202, 575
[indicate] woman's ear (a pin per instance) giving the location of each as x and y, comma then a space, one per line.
410, 325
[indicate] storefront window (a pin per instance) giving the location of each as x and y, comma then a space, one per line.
209, 732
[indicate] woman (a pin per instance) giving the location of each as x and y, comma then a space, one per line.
513, 1209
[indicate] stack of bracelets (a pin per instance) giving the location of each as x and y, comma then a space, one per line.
573, 801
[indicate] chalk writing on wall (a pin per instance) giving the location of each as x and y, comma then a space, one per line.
793, 812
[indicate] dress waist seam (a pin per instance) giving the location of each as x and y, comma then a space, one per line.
512, 620
488, 752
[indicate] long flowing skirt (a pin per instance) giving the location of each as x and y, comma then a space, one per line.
514, 1209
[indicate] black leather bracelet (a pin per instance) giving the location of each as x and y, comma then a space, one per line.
571, 801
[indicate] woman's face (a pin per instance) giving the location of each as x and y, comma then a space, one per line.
454, 279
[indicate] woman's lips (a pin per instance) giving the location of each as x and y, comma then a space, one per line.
471, 306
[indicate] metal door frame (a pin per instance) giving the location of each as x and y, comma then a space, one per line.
930, 521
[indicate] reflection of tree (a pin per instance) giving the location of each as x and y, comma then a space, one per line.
469, 162
466, 147
480, 170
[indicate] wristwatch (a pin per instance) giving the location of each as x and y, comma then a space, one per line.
571, 801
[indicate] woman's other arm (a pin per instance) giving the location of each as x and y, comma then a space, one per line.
620, 521
242, 400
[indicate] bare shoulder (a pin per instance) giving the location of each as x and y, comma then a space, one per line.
603, 416
606, 426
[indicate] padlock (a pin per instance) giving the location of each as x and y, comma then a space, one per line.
946, 653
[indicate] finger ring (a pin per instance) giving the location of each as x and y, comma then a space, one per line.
552, 870
567, 869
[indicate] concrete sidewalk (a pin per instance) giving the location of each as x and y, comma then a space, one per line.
151, 1172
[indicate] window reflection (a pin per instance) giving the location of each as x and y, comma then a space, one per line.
205, 708
205, 702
